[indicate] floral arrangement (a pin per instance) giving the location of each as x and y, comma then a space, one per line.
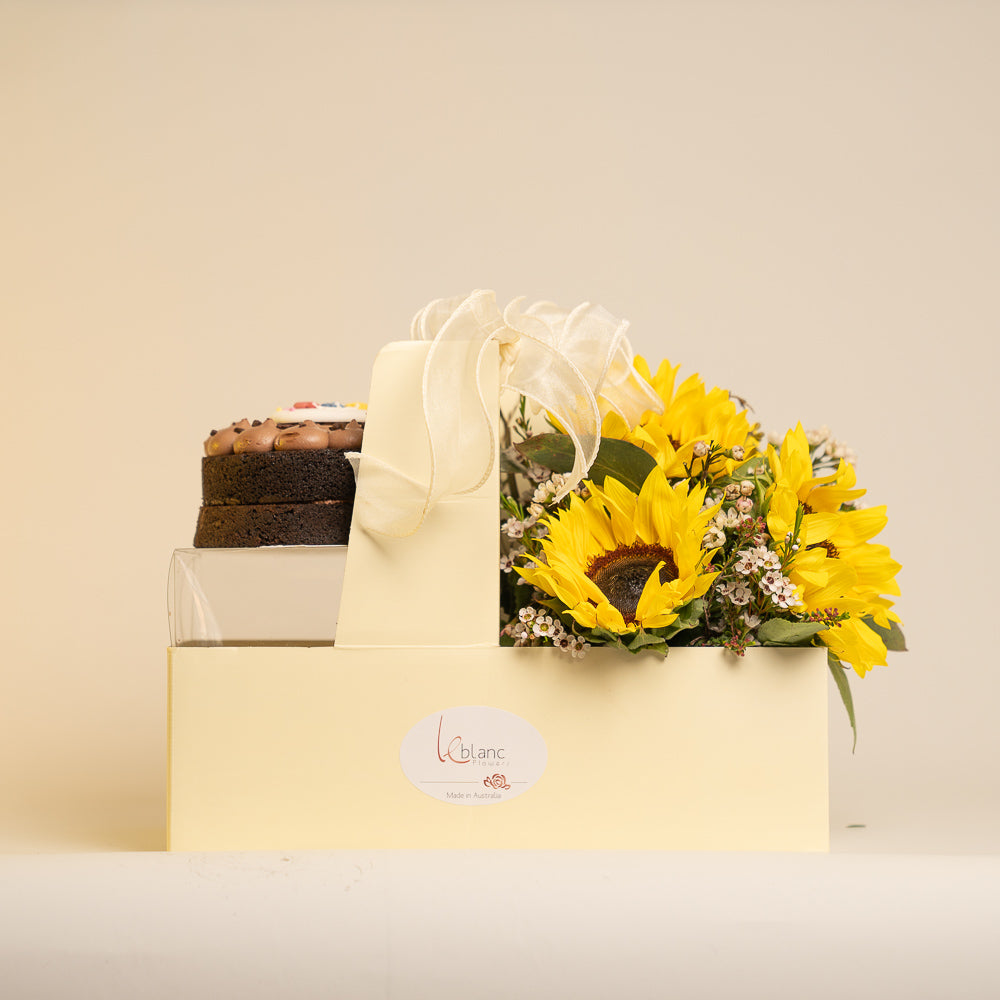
691, 531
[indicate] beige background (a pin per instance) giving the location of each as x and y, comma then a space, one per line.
211, 209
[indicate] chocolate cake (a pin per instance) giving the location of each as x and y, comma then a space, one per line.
277, 482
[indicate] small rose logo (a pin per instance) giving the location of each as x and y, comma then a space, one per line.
497, 781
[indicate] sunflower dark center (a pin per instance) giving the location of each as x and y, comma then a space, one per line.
831, 550
623, 573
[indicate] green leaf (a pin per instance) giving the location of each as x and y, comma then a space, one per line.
782, 632
624, 461
688, 617
892, 636
840, 679
645, 640
552, 603
601, 637
554, 451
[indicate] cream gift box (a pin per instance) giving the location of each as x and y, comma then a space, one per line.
417, 730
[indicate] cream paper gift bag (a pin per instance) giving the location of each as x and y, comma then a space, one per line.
417, 730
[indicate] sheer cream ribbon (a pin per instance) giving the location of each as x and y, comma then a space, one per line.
577, 365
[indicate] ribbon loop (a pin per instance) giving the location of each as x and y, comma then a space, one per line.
576, 365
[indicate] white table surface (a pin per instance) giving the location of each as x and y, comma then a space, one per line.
499, 924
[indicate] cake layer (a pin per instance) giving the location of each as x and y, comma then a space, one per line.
325, 522
276, 477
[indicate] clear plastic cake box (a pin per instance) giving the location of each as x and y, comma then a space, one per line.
399, 722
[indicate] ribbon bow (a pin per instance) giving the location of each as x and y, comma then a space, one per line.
577, 365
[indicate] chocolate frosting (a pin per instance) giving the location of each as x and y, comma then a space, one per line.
259, 437
267, 435
347, 438
305, 437
222, 442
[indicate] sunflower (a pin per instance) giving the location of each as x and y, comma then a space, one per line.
837, 565
793, 468
622, 561
691, 415
844, 589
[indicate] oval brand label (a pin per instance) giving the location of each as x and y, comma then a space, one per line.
473, 755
